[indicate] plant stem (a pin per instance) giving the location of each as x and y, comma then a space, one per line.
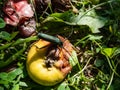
111, 79
113, 69
13, 57
82, 69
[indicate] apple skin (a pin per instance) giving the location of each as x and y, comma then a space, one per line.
37, 70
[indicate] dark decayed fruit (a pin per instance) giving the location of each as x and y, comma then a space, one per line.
28, 27
20, 13
17, 11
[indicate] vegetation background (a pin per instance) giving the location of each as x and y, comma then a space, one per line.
92, 26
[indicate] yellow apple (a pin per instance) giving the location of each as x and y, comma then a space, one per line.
37, 68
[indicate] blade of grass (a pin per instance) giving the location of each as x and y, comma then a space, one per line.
19, 41
112, 76
13, 57
113, 69
5, 46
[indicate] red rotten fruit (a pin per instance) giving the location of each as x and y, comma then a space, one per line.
17, 10
19, 13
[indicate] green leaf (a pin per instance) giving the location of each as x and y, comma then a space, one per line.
13, 74
94, 37
63, 86
88, 18
23, 84
98, 62
67, 88
116, 52
4, 82
116, 84
15, 87
73, 58
2, 23
66, 16
108, 51
3, 76
13, 35
1, 88
5, 35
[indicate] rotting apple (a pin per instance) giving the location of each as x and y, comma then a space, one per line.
48, 64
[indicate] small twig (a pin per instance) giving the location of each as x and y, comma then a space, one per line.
82, 69
111, 79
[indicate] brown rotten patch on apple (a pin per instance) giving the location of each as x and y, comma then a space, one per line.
59, 56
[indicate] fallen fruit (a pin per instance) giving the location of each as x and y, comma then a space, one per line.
17, 11
48, 64
20, 13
